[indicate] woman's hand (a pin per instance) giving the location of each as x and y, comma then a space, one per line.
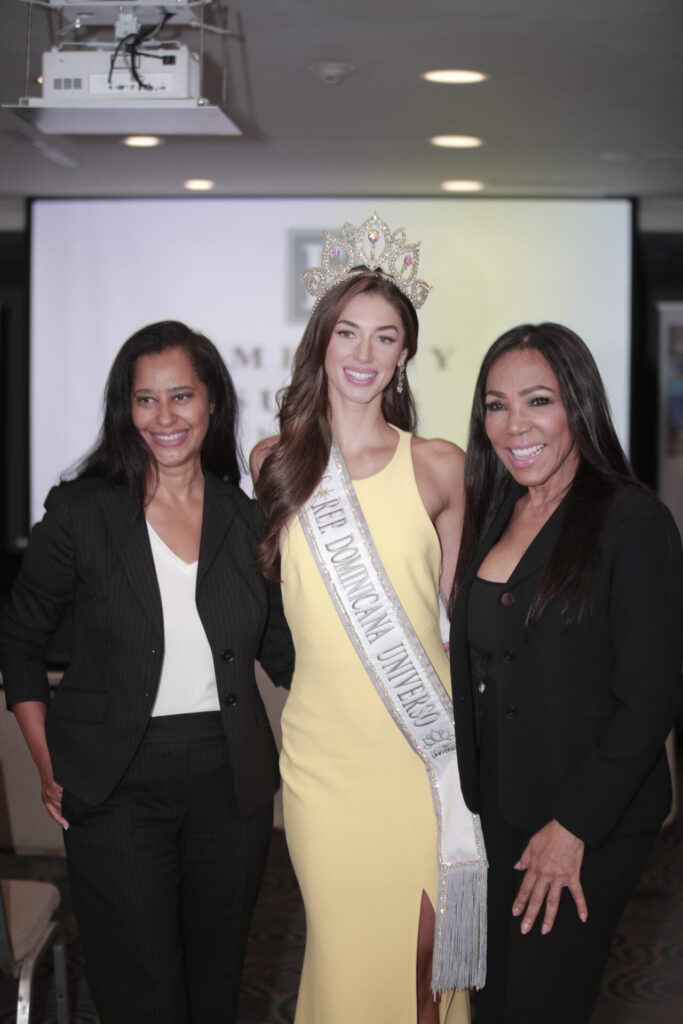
30, 714
551, 862
52, 795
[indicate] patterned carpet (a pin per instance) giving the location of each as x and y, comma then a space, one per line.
643, 983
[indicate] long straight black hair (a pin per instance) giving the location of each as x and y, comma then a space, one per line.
120, 455
572, 568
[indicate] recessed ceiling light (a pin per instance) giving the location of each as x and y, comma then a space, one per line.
455, 76
142, 141
456, 141
331, 72
462, 185
199, 184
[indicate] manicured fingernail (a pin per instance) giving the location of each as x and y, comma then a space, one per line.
544, 929
525, 927
516, 911
584, 917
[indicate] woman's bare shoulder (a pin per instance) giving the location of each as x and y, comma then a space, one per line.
259, 453
440, 474
439, 455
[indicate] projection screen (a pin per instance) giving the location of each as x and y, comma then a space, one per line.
230, 268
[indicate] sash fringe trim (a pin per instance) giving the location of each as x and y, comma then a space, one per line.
461, 963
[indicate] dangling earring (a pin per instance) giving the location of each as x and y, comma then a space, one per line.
400, 377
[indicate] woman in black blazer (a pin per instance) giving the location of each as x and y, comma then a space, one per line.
566, 656
155, 755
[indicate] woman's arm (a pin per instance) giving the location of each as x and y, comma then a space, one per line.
30, 714
45, 585
644, 623
440, 473
276, 653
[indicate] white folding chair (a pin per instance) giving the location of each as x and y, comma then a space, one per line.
27, 933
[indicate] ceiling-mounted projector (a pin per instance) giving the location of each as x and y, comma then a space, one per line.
133, 83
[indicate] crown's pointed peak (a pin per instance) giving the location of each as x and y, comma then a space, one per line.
372, 246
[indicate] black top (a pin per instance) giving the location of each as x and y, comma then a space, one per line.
483, 642
482, 636
481, 617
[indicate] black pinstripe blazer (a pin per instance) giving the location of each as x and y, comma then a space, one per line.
92, 550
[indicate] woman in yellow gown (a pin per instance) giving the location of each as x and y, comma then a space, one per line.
359, 815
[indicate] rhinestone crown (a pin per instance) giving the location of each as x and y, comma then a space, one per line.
374, 247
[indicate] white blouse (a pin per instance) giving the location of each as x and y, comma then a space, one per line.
188, 677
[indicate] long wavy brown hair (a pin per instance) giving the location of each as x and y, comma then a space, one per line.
296, 463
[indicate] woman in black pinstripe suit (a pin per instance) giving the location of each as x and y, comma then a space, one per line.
155, 755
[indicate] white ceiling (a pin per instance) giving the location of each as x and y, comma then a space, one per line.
584, 99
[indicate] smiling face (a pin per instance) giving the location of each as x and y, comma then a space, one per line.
170, 407
526, 421
364, 350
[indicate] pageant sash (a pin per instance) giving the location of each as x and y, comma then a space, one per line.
379, 629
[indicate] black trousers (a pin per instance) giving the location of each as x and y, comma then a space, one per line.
535, 978
554, 978
164, 876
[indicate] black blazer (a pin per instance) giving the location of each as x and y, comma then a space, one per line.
583, 710
91, 549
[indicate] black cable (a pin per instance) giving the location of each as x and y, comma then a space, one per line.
144, 35
134, 55
153, 56
131, 43
112, 62
151, 32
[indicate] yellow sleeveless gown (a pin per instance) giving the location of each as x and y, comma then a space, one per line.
358, 809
